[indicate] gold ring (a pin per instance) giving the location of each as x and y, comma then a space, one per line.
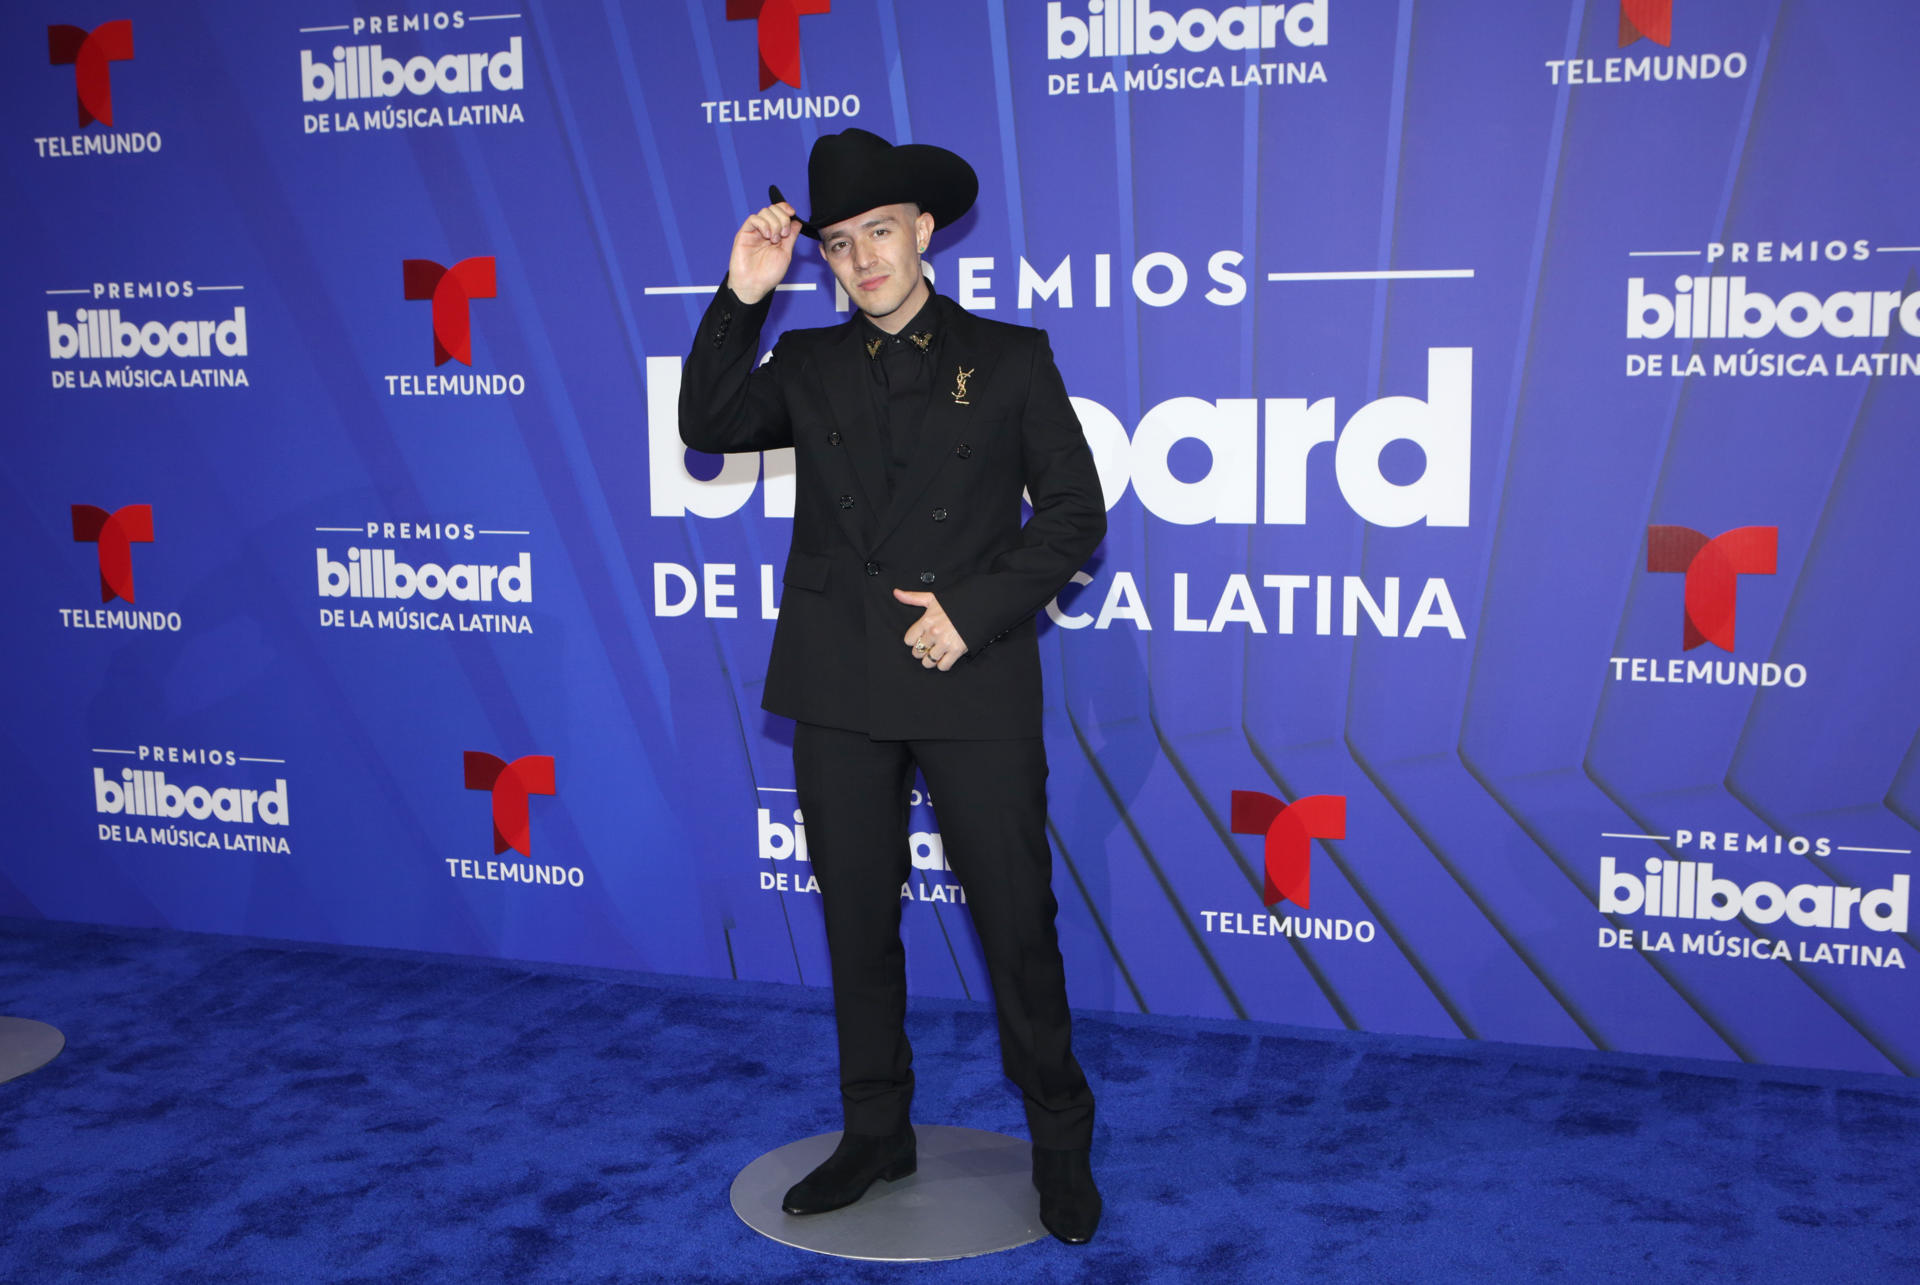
919, 649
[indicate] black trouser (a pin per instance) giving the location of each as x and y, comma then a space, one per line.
991, 800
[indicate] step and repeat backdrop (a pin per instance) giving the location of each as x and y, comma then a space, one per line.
1506, 414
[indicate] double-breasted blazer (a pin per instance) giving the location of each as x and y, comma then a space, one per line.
998, 423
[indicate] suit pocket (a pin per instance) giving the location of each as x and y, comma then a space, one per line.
807, 571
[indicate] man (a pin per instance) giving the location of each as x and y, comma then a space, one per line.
906, 634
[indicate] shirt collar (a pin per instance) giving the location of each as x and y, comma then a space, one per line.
920, 332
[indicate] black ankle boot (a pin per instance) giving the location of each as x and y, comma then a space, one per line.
854, 1165
1069, 1202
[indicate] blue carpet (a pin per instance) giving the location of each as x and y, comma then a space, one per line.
233, 1110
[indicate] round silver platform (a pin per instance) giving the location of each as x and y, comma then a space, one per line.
972, 1194
27, 1045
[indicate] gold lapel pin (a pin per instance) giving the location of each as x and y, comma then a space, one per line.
960, 378
873, 347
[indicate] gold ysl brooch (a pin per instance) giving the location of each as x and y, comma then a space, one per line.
960, 378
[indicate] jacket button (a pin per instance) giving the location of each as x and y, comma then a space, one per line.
846, 501
964, 451
926, 577
833, 438
939, 515
873, 568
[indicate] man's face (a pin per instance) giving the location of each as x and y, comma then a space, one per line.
876, 256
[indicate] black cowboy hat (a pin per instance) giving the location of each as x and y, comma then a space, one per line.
854, 171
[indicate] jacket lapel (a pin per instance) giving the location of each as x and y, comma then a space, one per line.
957, 402
842, 371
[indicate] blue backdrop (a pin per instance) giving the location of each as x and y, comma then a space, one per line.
1501, 411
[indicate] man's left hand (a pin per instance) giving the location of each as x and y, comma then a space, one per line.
935, 643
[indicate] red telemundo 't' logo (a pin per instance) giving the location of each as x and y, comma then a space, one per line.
1651, 19
88, 53
510, 783
115, 533
1712, 568
451, 289
1290, 829
778, 32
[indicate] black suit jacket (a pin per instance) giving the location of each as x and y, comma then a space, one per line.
953, 526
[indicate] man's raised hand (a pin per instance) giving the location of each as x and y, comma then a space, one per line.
762, 249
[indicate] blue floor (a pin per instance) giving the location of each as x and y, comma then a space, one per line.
234, 1110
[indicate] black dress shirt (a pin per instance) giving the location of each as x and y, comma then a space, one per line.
902, 367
